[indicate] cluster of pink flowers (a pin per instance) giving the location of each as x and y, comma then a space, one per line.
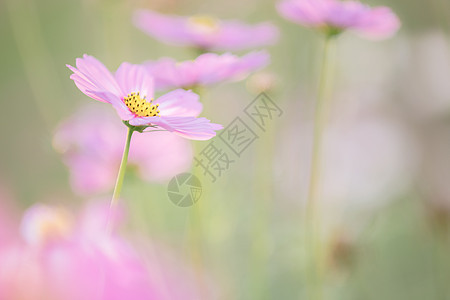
91, 142
60, 255
131, 90
69, 257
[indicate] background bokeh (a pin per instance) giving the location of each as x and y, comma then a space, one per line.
386, 190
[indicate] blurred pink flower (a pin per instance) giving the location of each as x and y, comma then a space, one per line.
62, 256
130, 92
205, 32
262, 82
8, 215
92, 143
207, 69
335, 16
61, 259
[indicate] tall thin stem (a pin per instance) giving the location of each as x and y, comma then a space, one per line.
197, 220
312, 206
120, 177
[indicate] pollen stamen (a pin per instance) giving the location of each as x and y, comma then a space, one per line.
141, 106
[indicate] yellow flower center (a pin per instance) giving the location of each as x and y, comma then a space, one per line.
47, 224
204, 23
140, 106
57, 224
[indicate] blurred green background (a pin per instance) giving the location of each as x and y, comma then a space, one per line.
387, 233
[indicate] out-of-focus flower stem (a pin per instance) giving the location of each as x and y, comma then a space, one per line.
313, 223
197, 219
120, 177
261, 237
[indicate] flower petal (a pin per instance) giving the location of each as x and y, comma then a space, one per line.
169, 29
179, 103
165, 73
133, 79
306, 12
379, 23
122, 110
206, 69
236, 36
222, 36
187, 127
91, 75
248, 63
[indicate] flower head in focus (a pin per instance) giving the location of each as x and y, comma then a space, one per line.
207, 69
130, 91
205, 32
91, 144
335, 16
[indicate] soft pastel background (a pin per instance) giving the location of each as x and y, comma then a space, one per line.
386, 188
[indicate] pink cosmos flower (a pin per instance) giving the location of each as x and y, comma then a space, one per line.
130, 92
8, 213
70, 257
207, 69
205, 32
91, 142
335, 16
60, 258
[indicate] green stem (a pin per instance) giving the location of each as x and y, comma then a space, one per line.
197, 219
120, 177
312, 206
261, 217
